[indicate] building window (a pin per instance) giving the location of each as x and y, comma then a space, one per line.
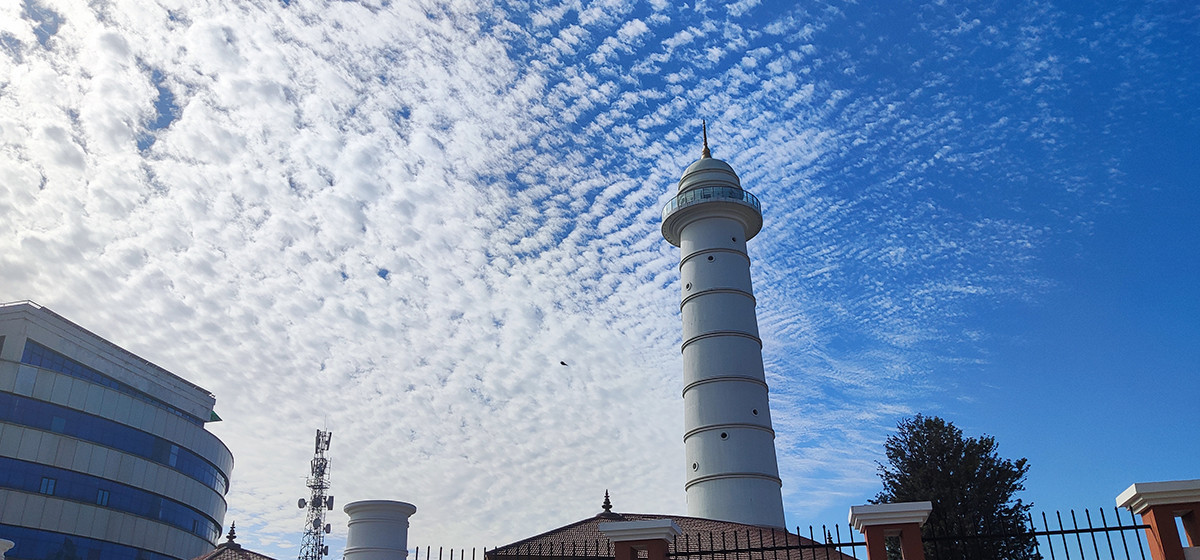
58, 424
102, 497
174, 455
47, 485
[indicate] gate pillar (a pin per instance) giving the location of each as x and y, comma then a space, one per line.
880, 521
628, 537
1159, 503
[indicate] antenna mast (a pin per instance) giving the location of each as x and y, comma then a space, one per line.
312, 546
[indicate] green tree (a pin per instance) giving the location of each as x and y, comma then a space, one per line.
972, 489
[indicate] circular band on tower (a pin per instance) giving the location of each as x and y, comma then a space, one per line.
735, 378
703, 252
713, 291
713, 334
741, 425
711, 477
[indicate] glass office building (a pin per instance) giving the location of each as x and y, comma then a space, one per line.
103, 455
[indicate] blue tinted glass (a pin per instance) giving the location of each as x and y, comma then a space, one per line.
36, 544
70, 485
37, 414
37, 355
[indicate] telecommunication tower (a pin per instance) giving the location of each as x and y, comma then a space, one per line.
312, 545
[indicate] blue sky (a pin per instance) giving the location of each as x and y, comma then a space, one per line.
396, 219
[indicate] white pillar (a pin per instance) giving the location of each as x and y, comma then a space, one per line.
732, 473
377, 530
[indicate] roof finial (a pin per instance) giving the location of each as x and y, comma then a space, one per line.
705, 153
608, 513
229, 544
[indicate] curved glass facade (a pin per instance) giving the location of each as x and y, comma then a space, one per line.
38, 355
34, 543
33, 413
70, 485
103, 455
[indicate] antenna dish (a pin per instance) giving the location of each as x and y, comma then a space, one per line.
328, 528
325, 550
329, 502
301, 503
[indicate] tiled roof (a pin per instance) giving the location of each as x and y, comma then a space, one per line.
232, 551
729, 541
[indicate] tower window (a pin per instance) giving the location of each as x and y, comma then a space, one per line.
755, 412
710, 258
724, 435
735, 240
695, 466
688, 286
47, 485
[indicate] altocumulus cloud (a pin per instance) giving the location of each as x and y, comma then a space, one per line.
221, 187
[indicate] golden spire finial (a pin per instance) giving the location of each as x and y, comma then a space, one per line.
705, 153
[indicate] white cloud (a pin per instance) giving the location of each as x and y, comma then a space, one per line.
632, 31
510, 181
741, 7
680, 38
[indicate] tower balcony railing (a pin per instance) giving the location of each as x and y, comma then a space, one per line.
711, 194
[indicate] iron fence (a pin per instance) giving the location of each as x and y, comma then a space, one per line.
1086, 537
768, 544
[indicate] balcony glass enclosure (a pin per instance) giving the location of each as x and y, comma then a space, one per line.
711, 194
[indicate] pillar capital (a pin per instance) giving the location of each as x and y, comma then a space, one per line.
1143, 495
1159, 503
877, 522
652, 529
889, 514
653, 535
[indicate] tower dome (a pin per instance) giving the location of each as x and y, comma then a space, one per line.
710, 187
708, 171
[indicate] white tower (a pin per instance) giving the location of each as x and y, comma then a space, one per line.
732, 474
378, 530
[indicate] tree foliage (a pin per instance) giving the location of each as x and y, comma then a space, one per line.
972, 489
